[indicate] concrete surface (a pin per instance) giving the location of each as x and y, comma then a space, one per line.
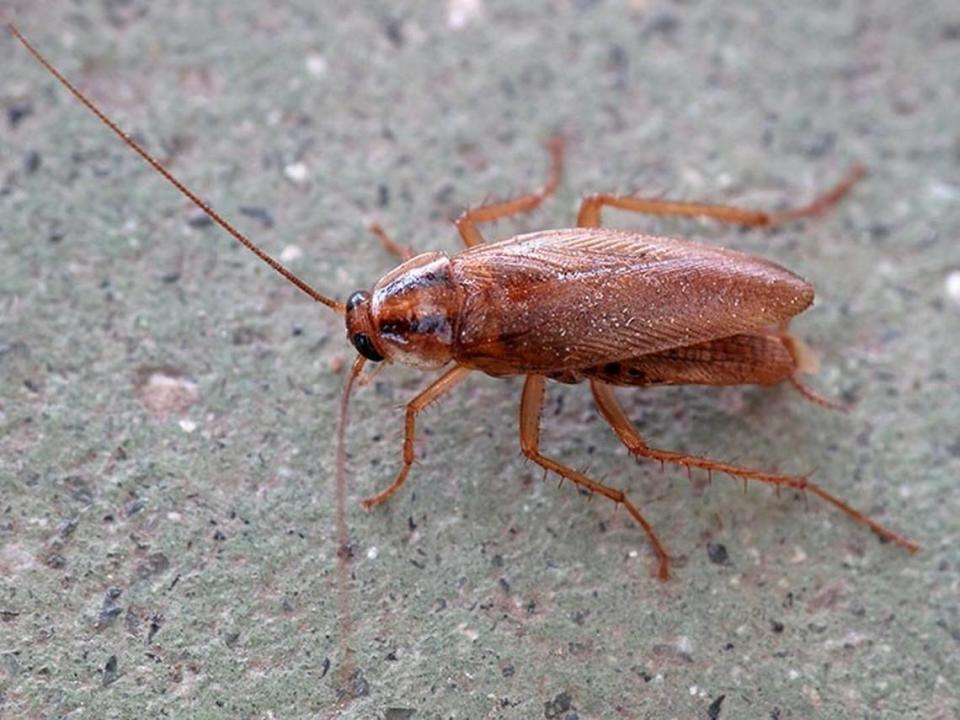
167, 536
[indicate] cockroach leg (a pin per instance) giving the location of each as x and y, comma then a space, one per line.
805, 361
438, 387
823, 202
589, 215
613, 413
813, 396
404, 252
531, 407
370, 375
467, 222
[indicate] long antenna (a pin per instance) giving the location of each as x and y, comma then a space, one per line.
213, 214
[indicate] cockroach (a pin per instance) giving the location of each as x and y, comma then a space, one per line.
581, 304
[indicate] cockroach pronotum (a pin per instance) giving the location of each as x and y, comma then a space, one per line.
572, 305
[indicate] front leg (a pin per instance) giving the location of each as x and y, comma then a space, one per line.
433, 392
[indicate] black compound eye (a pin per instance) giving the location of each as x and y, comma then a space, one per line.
358, 297
363, 344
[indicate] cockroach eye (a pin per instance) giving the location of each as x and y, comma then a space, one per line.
361, 341
357, 298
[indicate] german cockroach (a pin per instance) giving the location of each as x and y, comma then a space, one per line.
572, 305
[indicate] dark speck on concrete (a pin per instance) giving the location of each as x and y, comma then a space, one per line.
618, 63
261, 215
398, 713
661, 22
558, 706
817, 145
154, 564
55, 561
10, 666
717, 553
110, 671
713, 712
198, 219
79, 489
393, 29
32, 161
356, 686
156, 622
109, 608
643, 674
17, 111
67, 527
776, 626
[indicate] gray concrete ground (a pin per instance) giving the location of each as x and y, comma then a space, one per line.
167, 406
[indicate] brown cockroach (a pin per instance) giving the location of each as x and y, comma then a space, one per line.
582, 304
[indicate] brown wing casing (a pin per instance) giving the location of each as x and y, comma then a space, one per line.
760, 358
580, 298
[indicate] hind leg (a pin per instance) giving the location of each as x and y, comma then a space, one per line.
589, 215
613, 413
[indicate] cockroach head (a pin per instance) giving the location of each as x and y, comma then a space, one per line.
409, 316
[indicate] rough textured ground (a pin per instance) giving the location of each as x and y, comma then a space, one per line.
167, 539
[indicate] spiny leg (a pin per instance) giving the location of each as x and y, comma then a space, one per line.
589, 215
613, 413
438, 387
404, 252
531, 407
467, 222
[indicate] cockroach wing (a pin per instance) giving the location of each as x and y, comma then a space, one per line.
567, 299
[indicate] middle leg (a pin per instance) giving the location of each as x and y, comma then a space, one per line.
531, 407
613, 413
